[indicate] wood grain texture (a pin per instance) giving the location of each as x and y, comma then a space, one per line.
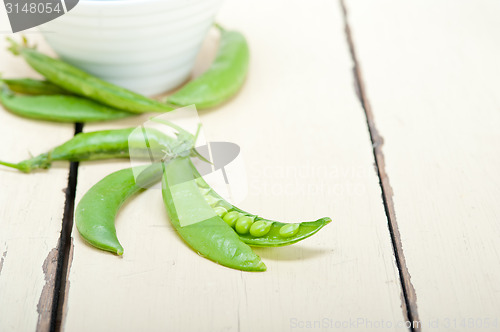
307, 154
431, 74
31, 211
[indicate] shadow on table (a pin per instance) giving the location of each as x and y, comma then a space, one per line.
289, 253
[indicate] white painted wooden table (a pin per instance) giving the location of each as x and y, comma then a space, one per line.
402, 152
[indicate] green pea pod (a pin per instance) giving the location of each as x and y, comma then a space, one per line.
59, 108
29, 86
274, 235
81, 83
222, 80
198, 225
96, 212
98, 145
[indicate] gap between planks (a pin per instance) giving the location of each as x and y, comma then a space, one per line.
409, 296
65, 243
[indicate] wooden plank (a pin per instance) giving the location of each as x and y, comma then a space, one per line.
307, 154
31, 211
431, 73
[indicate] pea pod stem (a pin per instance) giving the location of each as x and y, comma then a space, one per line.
99, 145
41, 161
16, 166
219, 27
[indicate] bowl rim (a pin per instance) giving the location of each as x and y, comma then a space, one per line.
114, 3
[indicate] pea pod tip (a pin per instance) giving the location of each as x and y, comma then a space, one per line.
258, 267
261, 267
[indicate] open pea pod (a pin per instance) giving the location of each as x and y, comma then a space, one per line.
255, 230
197, 223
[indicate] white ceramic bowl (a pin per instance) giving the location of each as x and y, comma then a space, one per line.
147, 46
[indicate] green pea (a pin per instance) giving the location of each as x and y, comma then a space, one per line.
220, 211
289, 230
211, 200
243, 224
231, 217
260, 228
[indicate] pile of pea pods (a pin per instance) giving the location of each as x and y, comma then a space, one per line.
213, 227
